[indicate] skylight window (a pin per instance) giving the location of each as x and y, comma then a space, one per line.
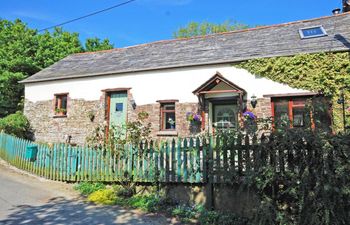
312, 32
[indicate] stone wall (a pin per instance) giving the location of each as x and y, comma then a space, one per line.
183, 128
263, 108
225, 197
50, 128
77, 124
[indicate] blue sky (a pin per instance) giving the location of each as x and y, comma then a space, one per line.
151, 20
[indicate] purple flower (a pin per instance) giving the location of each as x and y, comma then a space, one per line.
196, 117
249, 115
190, 116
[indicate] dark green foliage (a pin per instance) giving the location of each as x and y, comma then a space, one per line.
16, 124
184, 212
10, 92
200, 29
313, 188
214, 217
24, 52
187, 214
87, 188
327, 73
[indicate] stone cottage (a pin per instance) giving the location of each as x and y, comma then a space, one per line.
176, 81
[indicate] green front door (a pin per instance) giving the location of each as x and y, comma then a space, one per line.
118, 109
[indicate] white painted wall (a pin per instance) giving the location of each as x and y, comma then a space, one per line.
148, 87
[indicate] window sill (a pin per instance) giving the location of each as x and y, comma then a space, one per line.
167, 133
60, 116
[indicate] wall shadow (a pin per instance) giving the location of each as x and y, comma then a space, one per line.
74, 212
343, 40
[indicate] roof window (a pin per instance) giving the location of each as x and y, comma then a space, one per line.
312, 32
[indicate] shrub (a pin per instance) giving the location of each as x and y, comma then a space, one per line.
149, 203
313, 188
86, 188
124, 190
103, 197
220, 218
16, 124
184, 213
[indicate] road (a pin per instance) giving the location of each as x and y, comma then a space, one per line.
29, 200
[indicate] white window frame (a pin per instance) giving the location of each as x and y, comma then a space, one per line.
313, 36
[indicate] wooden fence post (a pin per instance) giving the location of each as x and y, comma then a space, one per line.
209, 187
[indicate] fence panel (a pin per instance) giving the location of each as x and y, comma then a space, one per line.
188, 160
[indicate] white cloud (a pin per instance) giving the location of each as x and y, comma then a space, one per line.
32, 15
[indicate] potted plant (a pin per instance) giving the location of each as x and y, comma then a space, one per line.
249, 121
195, 121
60, 112
194, 118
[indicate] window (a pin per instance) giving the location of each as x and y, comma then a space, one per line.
224, 116
61, 104
168, 120
301, 112
312, 32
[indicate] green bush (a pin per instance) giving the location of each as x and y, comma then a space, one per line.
184, 212
86, 188
103, 197
16, 124
218, 218
314, 189
149, 203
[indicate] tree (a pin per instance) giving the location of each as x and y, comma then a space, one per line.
17, 51
51, 47
24, 52
10, 92
200, 29
94, 44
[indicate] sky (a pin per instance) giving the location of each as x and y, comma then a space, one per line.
145, 21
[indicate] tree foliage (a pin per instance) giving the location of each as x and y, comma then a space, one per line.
51, 47
95, 44
200, 29
16, 124
327, 73
24, 51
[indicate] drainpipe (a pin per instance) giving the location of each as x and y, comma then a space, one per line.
346, 6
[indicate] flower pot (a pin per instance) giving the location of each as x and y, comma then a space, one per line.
60, 114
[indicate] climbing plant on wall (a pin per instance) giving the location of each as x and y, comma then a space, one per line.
327, 73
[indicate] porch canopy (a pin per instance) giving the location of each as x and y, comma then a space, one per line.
218, 90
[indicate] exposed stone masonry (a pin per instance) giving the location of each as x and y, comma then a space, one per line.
182, 125
50, 128
263, 108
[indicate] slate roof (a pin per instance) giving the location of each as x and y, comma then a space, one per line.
229, 47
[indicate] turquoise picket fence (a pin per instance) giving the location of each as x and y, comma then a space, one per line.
176, 161
188, 160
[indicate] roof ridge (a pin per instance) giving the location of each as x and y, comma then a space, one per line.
216, 34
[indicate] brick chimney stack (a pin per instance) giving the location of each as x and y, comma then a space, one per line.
346, 6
